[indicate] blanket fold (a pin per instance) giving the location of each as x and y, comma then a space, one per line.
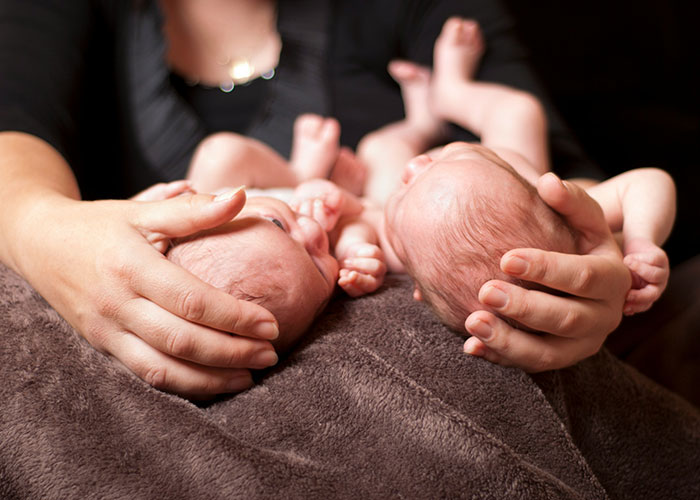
377, 402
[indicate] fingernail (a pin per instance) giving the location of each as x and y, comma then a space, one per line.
479, 329
264, 359
473, 350
227, 195
554, 176
495, 297
515, 265
267, 330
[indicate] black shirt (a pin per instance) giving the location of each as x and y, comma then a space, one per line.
89, 77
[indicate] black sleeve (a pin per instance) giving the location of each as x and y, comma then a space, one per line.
505, 61
42, 43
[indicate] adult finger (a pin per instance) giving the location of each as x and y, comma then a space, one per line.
181, 339
562, 316
186, 215
163, 191
177, 376
183, 294
580, 210
590, 276
532, 353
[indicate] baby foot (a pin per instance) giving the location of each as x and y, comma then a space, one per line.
649, 266
314, 147
324, 201
456, 58
414, 81
349, 172
362, 270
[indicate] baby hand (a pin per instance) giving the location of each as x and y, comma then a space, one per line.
321, 200
650, 270
362, 270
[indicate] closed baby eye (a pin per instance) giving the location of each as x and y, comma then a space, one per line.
277, 223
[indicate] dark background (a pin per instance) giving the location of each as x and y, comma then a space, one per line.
624, 75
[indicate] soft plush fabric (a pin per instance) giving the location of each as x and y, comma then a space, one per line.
378, 402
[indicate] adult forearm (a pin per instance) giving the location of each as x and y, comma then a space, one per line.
33, 175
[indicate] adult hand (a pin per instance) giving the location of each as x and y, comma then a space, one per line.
572, 327
101, 266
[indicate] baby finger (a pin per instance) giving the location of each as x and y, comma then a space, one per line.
365, 265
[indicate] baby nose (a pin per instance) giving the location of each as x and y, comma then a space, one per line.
315, 238
414, 167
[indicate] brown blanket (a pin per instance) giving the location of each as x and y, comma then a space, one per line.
378, 402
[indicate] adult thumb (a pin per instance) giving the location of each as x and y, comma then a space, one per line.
581, 211
186, 215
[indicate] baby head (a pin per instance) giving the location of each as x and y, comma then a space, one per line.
269, 255
453, 218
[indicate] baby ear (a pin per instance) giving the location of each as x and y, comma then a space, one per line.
417, 295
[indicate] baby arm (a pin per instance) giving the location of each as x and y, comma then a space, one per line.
353, 235
362, 263
641, 204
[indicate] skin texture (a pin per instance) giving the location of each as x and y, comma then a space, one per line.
287, 269
573, 327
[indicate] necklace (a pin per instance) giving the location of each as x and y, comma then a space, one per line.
222, 44
241, 72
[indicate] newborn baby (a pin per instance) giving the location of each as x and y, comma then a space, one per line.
270, 255
453, 218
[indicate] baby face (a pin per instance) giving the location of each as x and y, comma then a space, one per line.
430, 188
301, 238
271, 255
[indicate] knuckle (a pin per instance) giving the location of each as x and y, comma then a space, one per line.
500, 343
519, 309
237, 358
540, 268
584, 279
179, 344
545, 361
191, 306
210, 387
115, 262
156, 376
105, 306
238, 323
570, 321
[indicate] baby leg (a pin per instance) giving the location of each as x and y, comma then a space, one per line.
503, 117
387, 150
227, 159
457, 54
315, 147
428, 128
